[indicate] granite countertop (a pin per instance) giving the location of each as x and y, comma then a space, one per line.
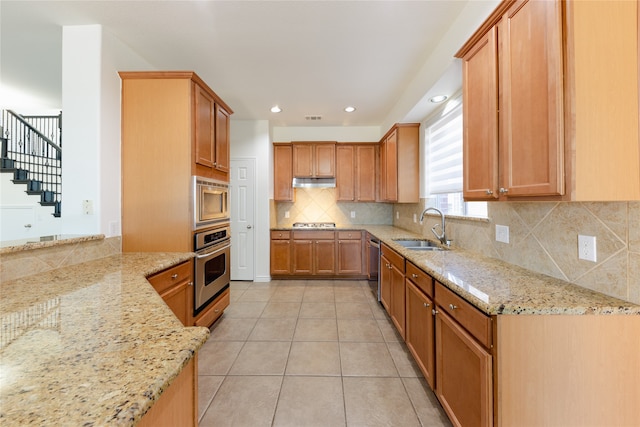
90, 344
496, 287
28, 244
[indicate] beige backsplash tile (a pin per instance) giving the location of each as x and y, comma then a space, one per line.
544, 238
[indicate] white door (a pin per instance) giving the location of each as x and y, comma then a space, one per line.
242, 200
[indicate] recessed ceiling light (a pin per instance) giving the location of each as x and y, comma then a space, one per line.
276, 109
438, 98
349, 109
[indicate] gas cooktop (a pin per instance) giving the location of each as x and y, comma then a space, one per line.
314, 225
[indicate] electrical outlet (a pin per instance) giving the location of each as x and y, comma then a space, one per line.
587, 248
286, 214
397, 215
353, 214
415, 218
502, 233
87, 207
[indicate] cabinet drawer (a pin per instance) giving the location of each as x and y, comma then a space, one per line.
393, 256
314, 235
210, 315
280, 234
349, 235
469, 317
421, 279
170, 277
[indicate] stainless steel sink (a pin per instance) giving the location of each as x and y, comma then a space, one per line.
419, 245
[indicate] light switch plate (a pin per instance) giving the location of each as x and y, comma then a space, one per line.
502, 233
587, 248
353, 214
286, 214
87, 207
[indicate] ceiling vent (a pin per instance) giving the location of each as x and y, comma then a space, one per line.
313, 118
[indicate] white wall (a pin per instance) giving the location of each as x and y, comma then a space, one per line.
327, 133
91, 58
250, 139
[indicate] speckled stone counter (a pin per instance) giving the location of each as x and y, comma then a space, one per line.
45, 242
90, 344
496, 287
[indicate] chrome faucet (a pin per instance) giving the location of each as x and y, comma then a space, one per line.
440, 236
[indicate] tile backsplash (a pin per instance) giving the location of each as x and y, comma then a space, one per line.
543, 237
320, 205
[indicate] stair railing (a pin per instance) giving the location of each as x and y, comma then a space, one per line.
37, 160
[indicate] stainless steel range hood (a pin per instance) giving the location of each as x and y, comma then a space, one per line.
314, 182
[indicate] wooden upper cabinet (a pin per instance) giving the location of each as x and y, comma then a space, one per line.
283, 190
480, 118
222, 139
204, 127
314, 160
531, 73
211, 134
365, 186
345, 173
356, 172
400, 164
547, 64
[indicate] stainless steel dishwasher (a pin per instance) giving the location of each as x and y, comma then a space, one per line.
373, 263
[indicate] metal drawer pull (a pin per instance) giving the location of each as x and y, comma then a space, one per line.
190, 283
217, 310
434, 311
427, 305
414, 275
453, 307
174, 276
489, 192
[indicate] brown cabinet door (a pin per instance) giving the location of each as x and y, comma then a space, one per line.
397, 299
389, 177
325, 160
178, 298
365, 185
302, 253
324, 257
303, 160
463, 374
480, 118
222, 139
350, 256
282, 173
280, 257
385, 283
531, 110
419, 330
345, 173
204, 127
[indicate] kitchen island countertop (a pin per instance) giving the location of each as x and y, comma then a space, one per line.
496, 287
90, 344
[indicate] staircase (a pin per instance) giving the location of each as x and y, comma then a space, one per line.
33, 158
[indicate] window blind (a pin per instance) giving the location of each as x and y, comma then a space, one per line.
444, 143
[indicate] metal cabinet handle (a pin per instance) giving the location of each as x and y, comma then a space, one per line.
174, 276
434, 311
453, 307
489, 192
190, 284
427, 305
217, 310
414, 275
504, 190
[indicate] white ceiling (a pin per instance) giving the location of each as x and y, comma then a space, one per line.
309, 57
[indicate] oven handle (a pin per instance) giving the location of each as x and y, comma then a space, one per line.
210, 251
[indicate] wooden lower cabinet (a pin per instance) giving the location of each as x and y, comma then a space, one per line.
280, 252
214, 311
314, 253
350, 253
392, 285
178, 404
464, 383
175, 286
419, 321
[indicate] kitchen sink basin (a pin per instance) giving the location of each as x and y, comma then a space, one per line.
419, 245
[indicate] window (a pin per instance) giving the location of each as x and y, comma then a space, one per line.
443, 143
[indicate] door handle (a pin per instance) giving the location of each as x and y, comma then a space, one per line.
248, 227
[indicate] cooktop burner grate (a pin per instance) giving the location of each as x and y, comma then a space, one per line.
314, 225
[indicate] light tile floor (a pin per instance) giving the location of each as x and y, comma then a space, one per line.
310, 353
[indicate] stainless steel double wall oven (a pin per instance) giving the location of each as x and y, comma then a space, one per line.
211, 240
